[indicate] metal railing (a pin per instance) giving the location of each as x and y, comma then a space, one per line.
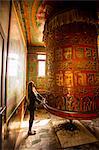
2, 110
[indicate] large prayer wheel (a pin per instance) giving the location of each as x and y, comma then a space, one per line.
72, 62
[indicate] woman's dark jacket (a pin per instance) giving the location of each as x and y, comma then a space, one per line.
32, 101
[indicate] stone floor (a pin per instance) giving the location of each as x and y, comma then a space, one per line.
51, 135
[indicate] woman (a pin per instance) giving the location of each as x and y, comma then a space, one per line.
33, 97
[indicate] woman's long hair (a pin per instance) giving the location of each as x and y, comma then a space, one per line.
29, 89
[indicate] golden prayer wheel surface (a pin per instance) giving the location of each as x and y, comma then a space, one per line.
72, 62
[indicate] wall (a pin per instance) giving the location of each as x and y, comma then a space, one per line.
32, 67
4, 22
16, 75
13, 63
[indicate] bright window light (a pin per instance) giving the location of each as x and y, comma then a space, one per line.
13, 65
41, 68
41, 57
41, 65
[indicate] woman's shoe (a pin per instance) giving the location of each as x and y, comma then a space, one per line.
31, 133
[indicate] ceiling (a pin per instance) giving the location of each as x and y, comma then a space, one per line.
32, 16
32, 19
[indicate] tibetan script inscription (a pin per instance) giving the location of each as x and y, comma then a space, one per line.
59, 78
68, 79
79, 53
68, 53
80, 79
90, 79
89, 53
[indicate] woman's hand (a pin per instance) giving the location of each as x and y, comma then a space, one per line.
44, 100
